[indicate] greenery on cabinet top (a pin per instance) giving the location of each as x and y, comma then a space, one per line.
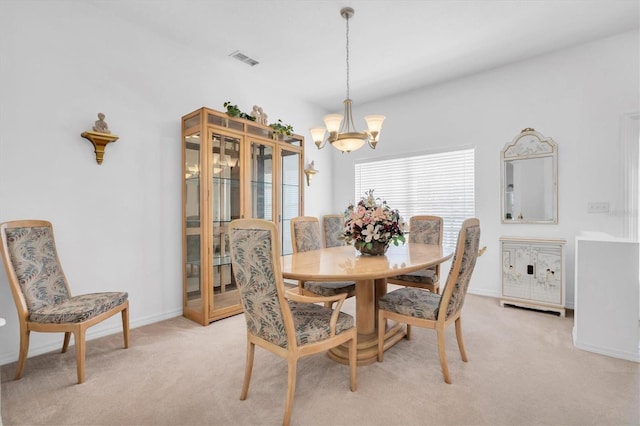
276, 131
278, 127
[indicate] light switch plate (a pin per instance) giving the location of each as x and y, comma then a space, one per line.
598, 207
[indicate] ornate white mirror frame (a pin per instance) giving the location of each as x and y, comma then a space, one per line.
529, 179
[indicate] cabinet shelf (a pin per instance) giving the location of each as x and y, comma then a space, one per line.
221, 260
224, 179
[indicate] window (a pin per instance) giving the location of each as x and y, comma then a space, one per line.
440, 184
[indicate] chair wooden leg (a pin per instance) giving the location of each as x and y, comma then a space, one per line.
79, 337
24, 351
65, 343
408, 333
463, 353
251, 347
443, 355
291, 389
381, 329
125, 326
353, 362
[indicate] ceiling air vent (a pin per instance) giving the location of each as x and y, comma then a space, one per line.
244, 58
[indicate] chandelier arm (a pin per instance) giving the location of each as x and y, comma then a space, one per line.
347, 123
322, 144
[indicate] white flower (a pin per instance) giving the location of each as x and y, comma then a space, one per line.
369, 232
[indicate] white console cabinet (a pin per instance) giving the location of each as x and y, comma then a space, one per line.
533, 273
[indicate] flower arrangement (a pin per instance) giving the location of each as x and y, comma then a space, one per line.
372, 223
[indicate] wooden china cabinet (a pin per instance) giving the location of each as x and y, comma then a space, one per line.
232, 168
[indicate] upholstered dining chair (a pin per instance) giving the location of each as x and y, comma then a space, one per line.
422, 308
286, 323
305, 236
332, 227
42, 294
424, 230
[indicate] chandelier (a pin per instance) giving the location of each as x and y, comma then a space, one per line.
342, 132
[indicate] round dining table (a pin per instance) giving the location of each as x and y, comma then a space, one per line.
370, 274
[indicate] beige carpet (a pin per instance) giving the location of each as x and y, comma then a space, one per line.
522, 370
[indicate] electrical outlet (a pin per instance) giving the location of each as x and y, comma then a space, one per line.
598, 207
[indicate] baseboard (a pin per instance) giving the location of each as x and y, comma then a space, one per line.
486, 293
629, 356
9, 357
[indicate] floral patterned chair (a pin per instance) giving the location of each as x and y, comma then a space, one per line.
332, 226
425, 230
286, 323
42, 295
305, 236
412, 306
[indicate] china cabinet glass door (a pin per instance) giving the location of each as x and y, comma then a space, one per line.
225, 206
290, 175
261, 159
193, 230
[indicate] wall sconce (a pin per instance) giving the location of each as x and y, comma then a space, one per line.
310, 171
99, 137
99, 141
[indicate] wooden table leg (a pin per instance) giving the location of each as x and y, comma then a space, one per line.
366, 305
367, 294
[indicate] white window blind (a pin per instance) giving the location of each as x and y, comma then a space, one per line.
440, 184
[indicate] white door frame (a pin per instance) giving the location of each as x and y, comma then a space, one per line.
630, 150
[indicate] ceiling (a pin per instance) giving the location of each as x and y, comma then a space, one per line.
395, 45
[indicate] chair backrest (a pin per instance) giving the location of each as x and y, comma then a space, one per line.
333, 226
464, 260
33, 268
256, 267
425, 229
305, 234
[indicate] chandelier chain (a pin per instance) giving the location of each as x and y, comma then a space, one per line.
347, 18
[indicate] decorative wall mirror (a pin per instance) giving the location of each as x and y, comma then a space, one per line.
529, 179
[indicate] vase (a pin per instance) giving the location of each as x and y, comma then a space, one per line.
376, 248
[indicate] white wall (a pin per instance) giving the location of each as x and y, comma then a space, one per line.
576, 96
117, 225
